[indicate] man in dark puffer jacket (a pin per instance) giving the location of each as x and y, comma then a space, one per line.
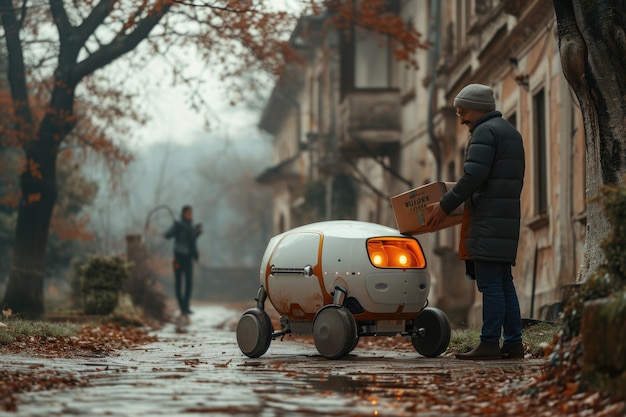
490, 187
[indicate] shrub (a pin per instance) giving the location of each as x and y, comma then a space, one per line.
102, 279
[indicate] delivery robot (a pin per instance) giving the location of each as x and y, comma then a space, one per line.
342, 280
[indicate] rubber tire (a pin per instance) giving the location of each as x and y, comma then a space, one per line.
254, 332
334, 331
437, 332
354, 344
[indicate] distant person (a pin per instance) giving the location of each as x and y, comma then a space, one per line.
490, 187
185, 252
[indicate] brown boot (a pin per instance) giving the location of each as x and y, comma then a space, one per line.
484, 351
514, 351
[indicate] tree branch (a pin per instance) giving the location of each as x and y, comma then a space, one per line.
95, 19
120, 45
211, 6
61, 20
23, 13
16, 69
134, 17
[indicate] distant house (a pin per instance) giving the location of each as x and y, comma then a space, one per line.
353, 127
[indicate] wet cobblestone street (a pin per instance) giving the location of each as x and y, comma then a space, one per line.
203, 372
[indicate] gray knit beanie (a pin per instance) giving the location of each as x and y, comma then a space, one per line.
476, 96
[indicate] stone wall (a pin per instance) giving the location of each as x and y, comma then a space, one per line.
603, 331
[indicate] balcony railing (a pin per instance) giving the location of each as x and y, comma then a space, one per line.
370, 120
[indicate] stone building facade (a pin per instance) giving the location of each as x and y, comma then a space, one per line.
353, 127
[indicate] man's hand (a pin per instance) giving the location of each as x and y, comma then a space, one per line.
437, 215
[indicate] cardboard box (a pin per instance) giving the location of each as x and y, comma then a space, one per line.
411, 208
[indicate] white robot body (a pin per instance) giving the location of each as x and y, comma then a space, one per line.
341, 280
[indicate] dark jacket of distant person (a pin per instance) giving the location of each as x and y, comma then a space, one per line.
185, 236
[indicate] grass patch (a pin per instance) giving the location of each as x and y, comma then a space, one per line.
534, 337
539, 336
19, 328
463, 340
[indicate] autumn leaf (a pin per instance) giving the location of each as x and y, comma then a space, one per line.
223, 365
34, 197
34, 168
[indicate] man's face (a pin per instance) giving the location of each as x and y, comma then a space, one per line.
188, 214
469, 117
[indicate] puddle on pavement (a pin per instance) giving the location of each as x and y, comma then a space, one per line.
337, 383
350, 384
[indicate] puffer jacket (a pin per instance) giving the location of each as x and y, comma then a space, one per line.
493, 176
185, 237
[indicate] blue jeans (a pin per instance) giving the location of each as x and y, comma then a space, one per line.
183, 265
500, 303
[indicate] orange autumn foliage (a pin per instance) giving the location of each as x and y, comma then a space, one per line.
34, 169
75, 228
33, 197
375, 15
11, 199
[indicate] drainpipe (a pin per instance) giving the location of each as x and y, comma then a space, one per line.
534, 283
434, 57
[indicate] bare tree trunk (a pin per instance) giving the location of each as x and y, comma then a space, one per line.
24, 293
592, 45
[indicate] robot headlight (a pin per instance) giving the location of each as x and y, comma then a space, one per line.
395, 253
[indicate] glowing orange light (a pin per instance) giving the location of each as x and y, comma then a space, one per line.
377, 258
395, 253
